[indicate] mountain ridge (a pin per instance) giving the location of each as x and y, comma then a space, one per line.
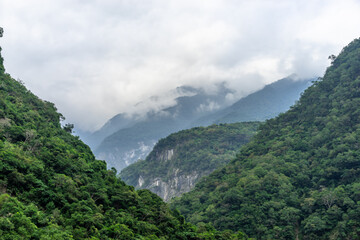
263, 104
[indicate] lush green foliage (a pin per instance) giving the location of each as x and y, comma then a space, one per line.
300, 175
51, 186
199, 150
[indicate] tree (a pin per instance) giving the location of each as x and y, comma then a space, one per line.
69, 127
1, 31
332, 57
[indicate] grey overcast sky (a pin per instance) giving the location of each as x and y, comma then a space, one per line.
97, 58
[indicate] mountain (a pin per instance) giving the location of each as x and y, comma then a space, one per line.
178, 161
135, 138
299, 177
134, 142
51, 186
273, 99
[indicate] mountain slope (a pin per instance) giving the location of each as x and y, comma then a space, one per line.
264, 104
51, 186
299, 178
178, 161
119, 121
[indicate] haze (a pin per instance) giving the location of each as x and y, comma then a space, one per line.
95, 59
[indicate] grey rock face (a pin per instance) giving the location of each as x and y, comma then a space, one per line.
176, 185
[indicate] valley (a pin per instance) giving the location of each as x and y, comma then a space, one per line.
280, 163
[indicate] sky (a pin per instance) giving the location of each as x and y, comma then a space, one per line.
97, 58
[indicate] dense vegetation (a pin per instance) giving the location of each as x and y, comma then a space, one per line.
51, 186
194, 152
299, 178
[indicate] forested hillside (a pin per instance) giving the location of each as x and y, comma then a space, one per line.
299, 178
51, 186
178, 161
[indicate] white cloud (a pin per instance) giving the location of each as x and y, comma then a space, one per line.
95, 59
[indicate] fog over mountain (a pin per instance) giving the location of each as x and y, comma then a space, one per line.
264, 104
95, 59
125, 139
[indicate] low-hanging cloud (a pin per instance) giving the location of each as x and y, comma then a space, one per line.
95, 59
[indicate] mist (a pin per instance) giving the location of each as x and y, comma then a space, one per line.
95, 59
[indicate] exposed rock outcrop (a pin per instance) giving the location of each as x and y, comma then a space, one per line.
177, 184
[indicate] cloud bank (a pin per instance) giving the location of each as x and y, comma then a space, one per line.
95, 59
